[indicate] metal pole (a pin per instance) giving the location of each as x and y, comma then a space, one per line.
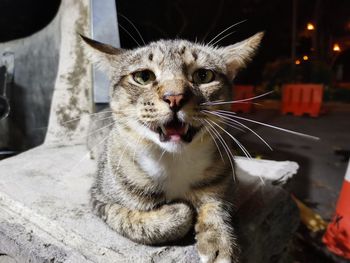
104, 29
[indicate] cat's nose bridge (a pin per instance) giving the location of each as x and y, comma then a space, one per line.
176, 93
174, 86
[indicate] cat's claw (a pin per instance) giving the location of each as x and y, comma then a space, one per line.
212, 248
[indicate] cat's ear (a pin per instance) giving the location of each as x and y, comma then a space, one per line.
100, 54
238, 55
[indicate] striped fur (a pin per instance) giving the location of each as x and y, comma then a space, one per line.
152, 190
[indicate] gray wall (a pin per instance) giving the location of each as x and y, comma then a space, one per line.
36, 63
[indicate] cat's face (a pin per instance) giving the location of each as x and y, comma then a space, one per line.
158, 90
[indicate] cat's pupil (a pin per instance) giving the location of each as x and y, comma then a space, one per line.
145, 75
202, 74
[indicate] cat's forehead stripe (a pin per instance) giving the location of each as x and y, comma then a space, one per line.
178, 49
195, 55
174, 55
183, 49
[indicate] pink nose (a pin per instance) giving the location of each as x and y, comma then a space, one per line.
175, 101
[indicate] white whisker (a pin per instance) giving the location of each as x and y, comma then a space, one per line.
260, 177
121, 156
222, 38
126, 31
209, 103
78, 118
137, 142
102, 119
232, 125
129, 110
212, 136
132, 24
246, 153
227, 113
104, 127
223, 31
88, 153
245, 126
161, 156
224, 144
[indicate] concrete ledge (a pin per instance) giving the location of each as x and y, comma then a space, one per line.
45, 216
44, 212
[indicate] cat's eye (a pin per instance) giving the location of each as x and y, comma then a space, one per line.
202, 76
144, 77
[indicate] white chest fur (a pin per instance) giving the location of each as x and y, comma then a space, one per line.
176, 172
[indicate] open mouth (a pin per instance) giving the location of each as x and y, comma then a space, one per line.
176, 131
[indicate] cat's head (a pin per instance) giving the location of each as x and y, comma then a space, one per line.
158, 90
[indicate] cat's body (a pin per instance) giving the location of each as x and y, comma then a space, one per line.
160, 170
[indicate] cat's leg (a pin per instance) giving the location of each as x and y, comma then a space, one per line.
216, 241
166, 223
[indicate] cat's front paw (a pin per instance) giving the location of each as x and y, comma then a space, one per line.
216, 247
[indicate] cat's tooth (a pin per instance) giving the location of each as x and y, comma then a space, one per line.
162, 137
187, 126
163, 129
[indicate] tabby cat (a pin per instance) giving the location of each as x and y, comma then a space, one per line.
163, 168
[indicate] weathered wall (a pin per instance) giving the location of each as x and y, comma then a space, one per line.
36, 64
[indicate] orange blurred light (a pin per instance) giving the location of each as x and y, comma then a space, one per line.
305, 58
310, 26
336, 47
297, 62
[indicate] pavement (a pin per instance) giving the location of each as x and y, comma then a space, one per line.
322, 163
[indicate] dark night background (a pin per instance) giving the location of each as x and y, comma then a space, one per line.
202, 20
273, 66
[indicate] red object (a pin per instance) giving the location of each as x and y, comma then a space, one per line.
337, 237
300, 99
241, 92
